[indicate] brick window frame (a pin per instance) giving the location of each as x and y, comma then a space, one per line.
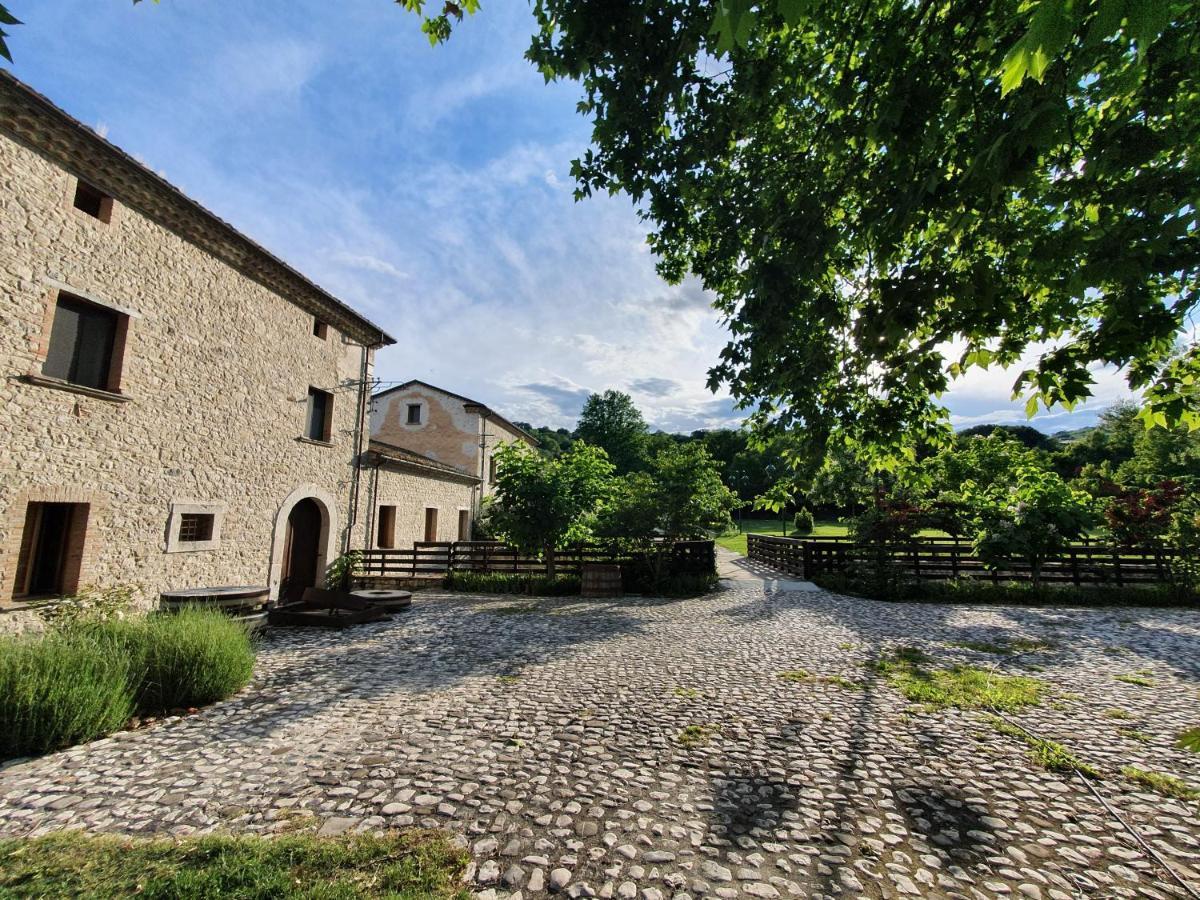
181, 508
82, 570
109, 208
114, 389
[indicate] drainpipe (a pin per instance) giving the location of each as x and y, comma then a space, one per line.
352, 519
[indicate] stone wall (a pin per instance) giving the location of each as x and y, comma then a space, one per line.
214, 385
412, 493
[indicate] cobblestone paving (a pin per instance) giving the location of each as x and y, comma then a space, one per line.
550, 742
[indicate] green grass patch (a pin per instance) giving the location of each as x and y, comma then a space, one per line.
1140, 680
85, 679
795, 675
407, 865
1167, 785
1050, 755
1115, 713
1134, 735
686, 693
697, 735
1189, 740
963, 687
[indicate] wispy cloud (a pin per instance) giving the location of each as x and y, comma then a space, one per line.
428, 187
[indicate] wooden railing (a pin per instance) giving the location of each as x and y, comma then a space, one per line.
943, 558
437, 559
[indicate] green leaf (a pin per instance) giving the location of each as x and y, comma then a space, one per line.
1049, 31
1189, 740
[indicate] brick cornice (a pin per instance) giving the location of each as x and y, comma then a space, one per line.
32, 119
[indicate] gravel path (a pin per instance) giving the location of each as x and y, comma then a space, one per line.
649, 749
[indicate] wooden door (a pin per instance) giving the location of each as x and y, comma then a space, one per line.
301, 550
431, 524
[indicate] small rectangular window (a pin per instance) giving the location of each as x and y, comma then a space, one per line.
386, 537
320, 415
320, 329
196, 527
491, 469
93, 201
464, 524
82, 343
414, 414
51, 549
430, 524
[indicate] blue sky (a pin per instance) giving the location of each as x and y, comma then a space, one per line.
428, 187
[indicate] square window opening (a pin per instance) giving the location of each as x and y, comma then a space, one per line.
318, 426
194, 527
414, 414
86, 341
320, 329
51, 553
93, 201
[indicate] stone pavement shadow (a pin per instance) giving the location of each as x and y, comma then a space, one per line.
745, 802
428, 648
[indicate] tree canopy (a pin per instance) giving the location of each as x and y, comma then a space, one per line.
882, 195
612, 422
540, 505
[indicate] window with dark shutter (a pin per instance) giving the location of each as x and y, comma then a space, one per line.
81, 343
320, 411
414, 414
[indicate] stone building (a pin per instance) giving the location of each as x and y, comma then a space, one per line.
179, 408
412, 498
445, 427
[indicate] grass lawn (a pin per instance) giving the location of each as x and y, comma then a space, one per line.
411, 864
822, 528
737, 542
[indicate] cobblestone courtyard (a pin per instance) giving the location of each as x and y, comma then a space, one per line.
650, 749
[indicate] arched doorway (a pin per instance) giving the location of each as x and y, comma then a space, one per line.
301, 550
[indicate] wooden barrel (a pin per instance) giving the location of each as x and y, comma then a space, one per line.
601, 580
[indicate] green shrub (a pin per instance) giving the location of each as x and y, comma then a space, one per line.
59, 689
342, 571
189, 658
84, 680
803, 521
513, 583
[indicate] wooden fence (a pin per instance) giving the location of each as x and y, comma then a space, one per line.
943, 558
437, 559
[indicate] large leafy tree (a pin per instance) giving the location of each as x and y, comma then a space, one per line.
613, 422
540, 505
881, 194
1032, 518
